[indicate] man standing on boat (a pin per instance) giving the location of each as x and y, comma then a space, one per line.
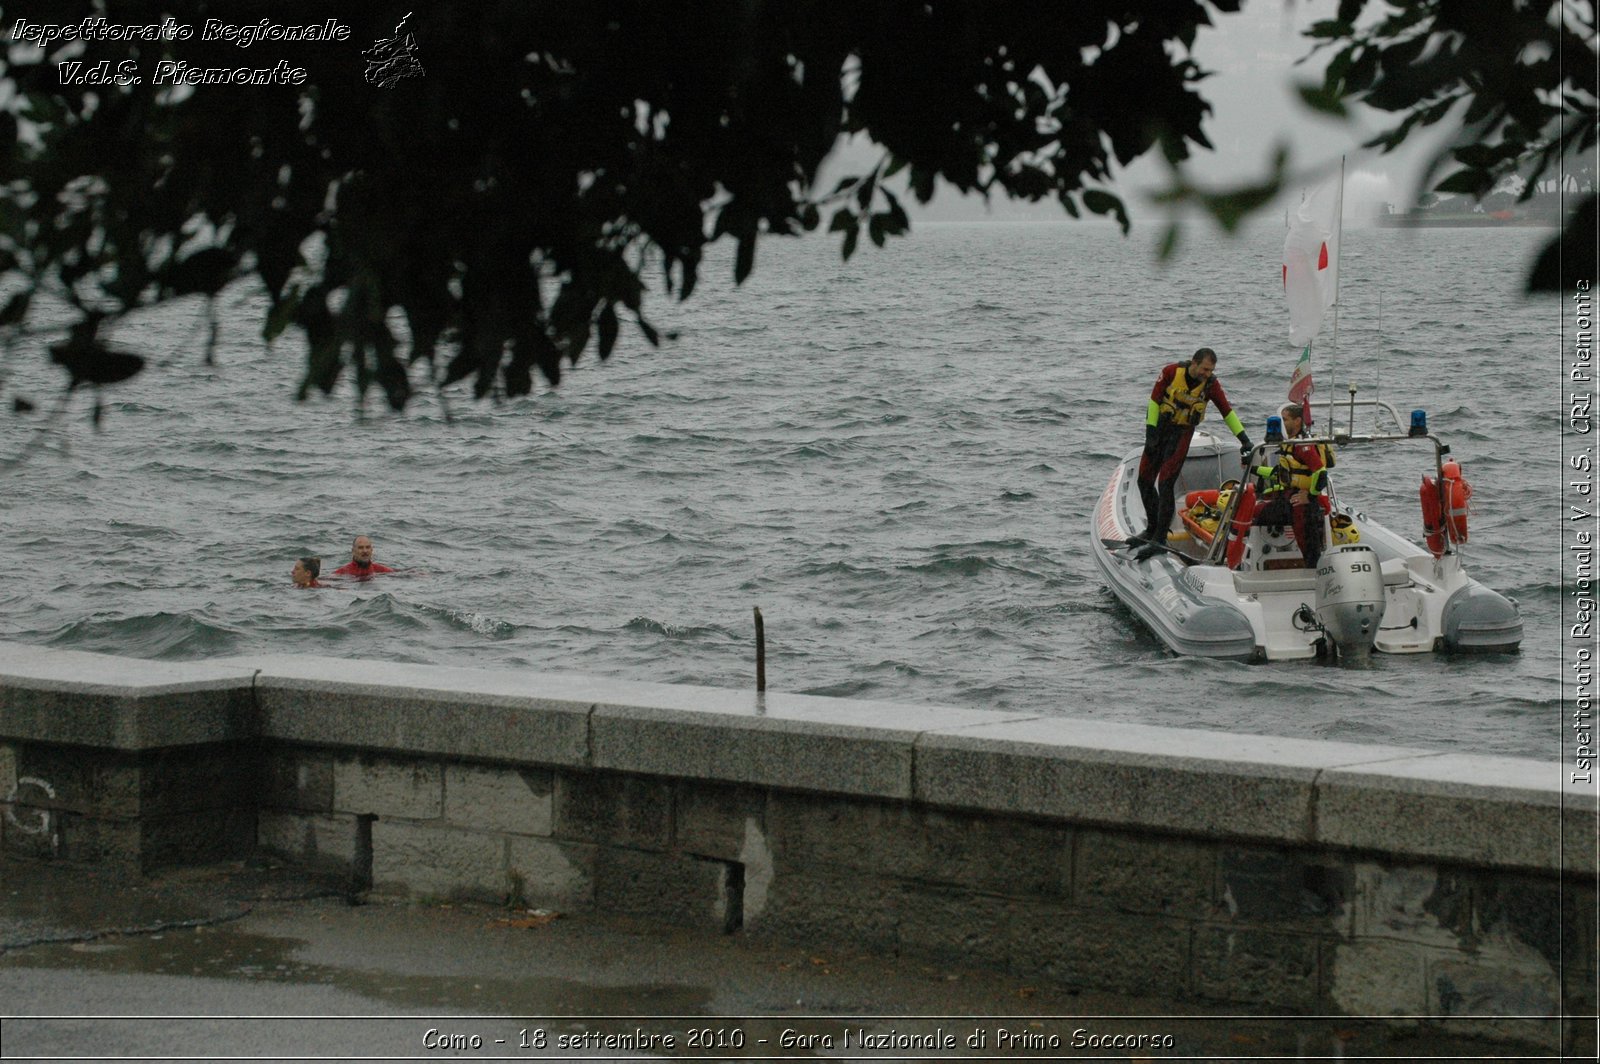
1292, 495
1177, 404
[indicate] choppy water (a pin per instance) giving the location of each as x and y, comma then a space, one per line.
894, 458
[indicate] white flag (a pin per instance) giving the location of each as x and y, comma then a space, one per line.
1311, 260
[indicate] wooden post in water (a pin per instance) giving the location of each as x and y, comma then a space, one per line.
761, 652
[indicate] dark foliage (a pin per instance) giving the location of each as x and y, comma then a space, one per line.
1519, 77
510, 206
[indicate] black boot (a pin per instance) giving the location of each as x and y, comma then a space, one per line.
1152, 509
1156, 545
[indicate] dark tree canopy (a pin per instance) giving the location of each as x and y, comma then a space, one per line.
509, 204
1519, 76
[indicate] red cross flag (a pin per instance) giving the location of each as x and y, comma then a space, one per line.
1311, 260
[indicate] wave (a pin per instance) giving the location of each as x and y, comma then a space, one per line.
962, 565
838, 568
676, 631
168, 636
471, 621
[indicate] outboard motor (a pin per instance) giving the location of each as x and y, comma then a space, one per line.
1350, 598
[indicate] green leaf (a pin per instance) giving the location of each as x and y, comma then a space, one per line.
608, 330
93, 363
460, 368
1569, 259
282, 313
1231, 208
650, 333
865, 190
875, 229
1169, 242
1321, 100
1485, 156
16, 308
745, 259
1099, 202
518, 379
205, 272
1468, 182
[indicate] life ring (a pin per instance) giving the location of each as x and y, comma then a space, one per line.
1242, 518
1456, 493
1432, 523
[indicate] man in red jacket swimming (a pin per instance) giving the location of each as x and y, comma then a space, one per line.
1177, 403
361, 564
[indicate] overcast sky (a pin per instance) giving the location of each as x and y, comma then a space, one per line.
1254, 108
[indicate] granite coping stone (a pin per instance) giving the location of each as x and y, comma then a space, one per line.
99, 700
1500, 811
443, 711
1170, 779
797, 742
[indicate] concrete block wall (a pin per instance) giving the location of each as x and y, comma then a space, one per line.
137, 764
143, 810
1149, 913
1273, 873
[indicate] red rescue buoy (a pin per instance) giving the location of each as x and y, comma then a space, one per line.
1432, 524
1243, 515
1456, 493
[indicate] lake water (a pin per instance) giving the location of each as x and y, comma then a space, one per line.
895, 458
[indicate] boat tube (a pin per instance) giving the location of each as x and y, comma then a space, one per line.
1227, 587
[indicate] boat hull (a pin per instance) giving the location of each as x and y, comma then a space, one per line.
1200, 607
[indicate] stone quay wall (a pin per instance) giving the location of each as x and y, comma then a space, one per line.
1269, 873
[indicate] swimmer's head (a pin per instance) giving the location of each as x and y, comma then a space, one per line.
305, 571
361, 552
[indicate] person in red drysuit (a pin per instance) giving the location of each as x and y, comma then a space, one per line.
361, 566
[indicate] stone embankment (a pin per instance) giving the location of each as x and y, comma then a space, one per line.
1283, 874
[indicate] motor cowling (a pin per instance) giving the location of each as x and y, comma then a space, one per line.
1350, 597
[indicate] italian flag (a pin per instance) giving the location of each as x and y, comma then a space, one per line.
1300, 384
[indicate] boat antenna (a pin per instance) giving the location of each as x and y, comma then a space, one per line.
1338, 253
1378, 387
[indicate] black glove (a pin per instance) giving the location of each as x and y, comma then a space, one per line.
1245, 447
1150, 434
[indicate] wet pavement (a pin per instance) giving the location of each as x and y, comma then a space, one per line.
252, 960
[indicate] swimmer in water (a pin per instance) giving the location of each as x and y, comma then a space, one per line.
305, 572
361, 565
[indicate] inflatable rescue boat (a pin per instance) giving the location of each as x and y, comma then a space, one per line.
1227, 587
